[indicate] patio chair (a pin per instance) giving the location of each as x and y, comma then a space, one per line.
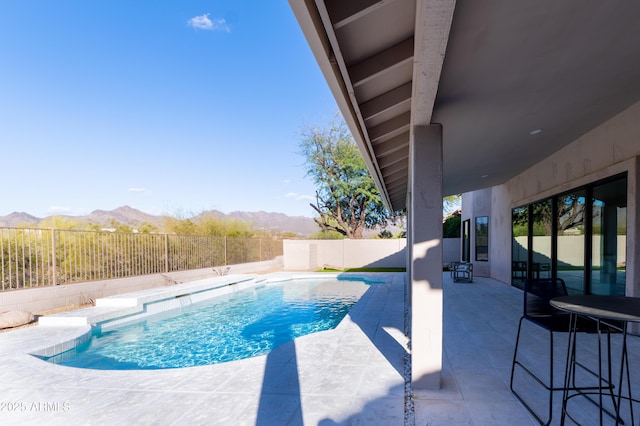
462, 271
452, 267
537, 310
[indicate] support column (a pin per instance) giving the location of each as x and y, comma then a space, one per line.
426, 257
633, 234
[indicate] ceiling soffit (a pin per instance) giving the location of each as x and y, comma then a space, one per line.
373, 59
372, 44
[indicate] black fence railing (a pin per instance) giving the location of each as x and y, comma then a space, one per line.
33, 257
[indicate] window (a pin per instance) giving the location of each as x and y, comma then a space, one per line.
571, 219
482, 238
520, 245
579, 236
609, 233
541, 241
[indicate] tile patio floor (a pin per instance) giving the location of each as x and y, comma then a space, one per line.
353, 375
480, 327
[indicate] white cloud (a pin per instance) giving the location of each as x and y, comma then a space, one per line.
297, 196
203, 22
136, 189
286, 181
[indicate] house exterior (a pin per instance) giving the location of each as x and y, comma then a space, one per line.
529, 109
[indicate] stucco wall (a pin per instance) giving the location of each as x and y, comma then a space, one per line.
451, 250
315, 254
477, 204
605, 151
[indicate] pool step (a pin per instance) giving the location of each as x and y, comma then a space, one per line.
130, 306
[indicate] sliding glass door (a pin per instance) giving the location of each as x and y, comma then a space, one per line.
542, 230
578, 236
519, 246
570, 217
608, 258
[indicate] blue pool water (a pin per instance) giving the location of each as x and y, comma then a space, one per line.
241, 325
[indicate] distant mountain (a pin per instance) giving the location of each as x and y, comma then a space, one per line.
276, 222
18, 219
124, 214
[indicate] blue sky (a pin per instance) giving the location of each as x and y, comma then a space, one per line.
170, 107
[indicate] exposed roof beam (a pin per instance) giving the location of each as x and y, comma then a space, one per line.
393, 169
317, 27
398, 181
383, 62
344, 12
391, 145
386, 101
433, 23
400, 200
396, 157
390, 128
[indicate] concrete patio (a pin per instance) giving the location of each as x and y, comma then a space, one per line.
480, 327
354, 374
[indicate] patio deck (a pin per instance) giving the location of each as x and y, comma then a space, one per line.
480, 327
354, 374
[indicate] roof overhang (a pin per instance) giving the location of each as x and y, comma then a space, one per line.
490, 71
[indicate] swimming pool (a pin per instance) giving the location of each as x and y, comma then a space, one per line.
234, 326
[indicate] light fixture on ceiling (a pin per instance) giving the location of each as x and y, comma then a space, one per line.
535, 132
484, 176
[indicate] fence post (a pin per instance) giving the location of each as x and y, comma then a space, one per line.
54, 272
225, 251
166, 253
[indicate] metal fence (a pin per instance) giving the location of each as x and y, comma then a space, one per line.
44, 257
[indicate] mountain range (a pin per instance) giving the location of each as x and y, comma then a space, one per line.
276, 222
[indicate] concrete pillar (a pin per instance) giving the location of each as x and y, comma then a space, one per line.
409, 251
633, 234
426, 257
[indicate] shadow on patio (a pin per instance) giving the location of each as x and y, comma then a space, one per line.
480, 325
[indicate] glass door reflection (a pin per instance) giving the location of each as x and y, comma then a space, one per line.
609, 236
571, 240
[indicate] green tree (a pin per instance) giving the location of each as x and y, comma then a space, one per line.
327, 235
569, 215
215, 226
209, 225
451, 226
120, 227
347, 200
385, 234
61, 222
451, 203
147, 228
179, 226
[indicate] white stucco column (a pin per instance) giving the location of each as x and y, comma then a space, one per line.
426, 257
